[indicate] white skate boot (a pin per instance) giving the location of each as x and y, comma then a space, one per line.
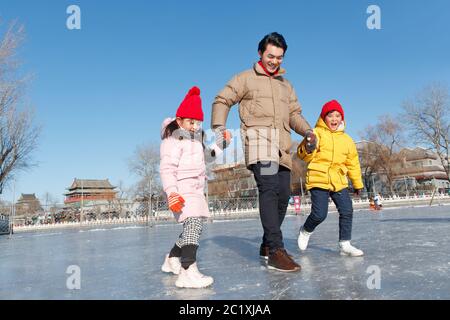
171, 265
346, 249
192, 278
303, 239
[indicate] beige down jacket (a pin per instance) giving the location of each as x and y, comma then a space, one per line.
268, 109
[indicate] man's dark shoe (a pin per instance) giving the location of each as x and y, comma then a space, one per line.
264, 252
280, 260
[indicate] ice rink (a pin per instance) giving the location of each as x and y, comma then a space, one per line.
407, 256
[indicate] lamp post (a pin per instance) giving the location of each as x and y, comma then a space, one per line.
373, 184
406, 186
150, 199
82, 196
301, 190
301, 186
13, 211
149, 213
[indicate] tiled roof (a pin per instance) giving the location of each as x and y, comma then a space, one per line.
90, 184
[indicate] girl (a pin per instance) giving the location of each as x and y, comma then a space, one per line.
183, 175
331, 159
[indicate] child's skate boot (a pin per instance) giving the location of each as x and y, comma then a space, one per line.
171, 265
303, 239
346, 249
192, 278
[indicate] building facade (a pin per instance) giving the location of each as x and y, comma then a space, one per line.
415, 169
232, 180
28, 205
88, 193
422, 166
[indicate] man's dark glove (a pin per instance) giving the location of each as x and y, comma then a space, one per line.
357, 192
311, 141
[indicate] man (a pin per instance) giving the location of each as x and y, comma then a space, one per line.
268, 109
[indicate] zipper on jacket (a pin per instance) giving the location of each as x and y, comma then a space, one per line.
273, 124
332, 161
273, 102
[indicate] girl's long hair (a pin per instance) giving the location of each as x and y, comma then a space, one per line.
171, 127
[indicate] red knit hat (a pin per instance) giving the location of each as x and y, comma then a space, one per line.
191, 107
332, 105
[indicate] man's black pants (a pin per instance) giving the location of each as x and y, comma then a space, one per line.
273, 183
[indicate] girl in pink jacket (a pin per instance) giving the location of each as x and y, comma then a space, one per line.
183, 175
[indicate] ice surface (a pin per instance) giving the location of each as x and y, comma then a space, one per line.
410, 246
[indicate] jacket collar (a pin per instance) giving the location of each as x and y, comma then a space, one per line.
321, 124
260, 71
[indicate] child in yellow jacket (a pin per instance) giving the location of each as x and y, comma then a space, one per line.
331, 158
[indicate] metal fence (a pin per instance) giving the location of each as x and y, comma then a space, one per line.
4, 224
219, 208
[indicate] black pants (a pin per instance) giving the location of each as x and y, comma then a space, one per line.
274, 189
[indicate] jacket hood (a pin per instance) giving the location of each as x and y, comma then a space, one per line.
164, 125
321, 124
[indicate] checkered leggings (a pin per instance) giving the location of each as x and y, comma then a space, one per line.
192, 229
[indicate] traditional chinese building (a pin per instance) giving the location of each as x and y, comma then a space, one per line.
89, 192
28, 204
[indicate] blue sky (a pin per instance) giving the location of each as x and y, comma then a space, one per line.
103, 90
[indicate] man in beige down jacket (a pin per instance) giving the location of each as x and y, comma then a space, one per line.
268, 110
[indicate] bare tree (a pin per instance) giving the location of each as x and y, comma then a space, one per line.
5, 208
48, 200
18, 134
50, 204
428, 118
370, 162
120, 200
385, 139
145, 165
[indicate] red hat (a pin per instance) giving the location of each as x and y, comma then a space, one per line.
191, 107
332, 105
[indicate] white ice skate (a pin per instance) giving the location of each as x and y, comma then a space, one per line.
171, 265
303, 239
192, 278
346, 249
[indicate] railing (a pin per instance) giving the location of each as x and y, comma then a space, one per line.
232, 208
4, 224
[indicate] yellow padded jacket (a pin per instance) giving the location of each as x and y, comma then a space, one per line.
334, 159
